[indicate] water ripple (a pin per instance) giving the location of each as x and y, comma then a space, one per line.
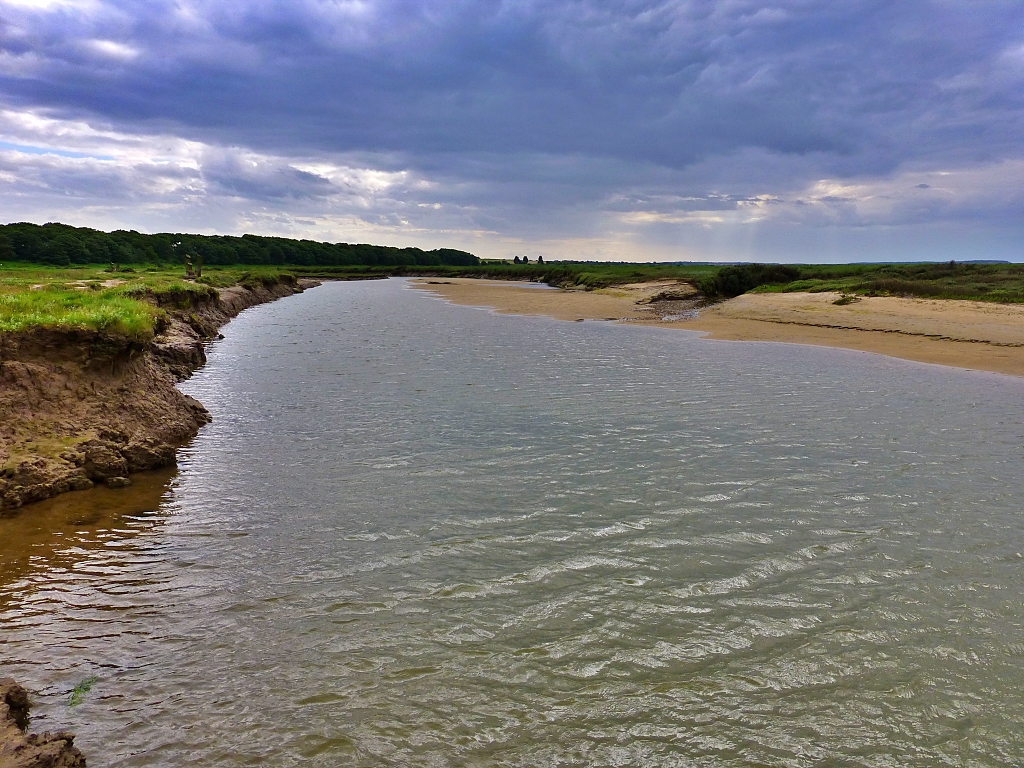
418, 534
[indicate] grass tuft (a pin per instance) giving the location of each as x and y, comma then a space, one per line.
54, 307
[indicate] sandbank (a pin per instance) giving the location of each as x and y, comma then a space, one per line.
964, 334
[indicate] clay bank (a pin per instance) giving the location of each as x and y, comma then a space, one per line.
19, 749
79, 407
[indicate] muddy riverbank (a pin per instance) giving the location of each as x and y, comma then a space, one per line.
84, 407
20, 749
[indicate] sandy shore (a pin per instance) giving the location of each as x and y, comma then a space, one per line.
964, 334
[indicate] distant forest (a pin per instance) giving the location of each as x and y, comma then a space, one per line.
62, 245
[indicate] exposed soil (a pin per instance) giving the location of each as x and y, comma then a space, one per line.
19, 749
78, 407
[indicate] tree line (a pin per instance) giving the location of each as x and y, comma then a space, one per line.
62, 245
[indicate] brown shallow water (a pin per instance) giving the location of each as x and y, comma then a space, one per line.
57, 533
420, 534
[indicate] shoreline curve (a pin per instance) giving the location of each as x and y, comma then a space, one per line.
82, 407
971, 335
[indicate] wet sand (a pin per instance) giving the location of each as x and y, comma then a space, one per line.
964, 334
520, 298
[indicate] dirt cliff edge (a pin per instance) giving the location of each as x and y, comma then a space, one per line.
81, 407
19, 749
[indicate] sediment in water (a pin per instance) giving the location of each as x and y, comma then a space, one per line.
81, 407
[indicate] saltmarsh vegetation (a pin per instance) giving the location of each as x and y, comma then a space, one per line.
979, 281
563, 274
62, 277
123, 303
996, 282
128, 302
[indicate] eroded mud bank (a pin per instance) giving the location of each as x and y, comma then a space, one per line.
78, 407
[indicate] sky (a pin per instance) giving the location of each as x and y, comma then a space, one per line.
637, 130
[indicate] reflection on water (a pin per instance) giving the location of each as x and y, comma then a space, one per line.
54, 535
418, 534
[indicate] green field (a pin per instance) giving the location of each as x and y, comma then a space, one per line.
946, 280
564, 274
125, 302
90, 298
58, 276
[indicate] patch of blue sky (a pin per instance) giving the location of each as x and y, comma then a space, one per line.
28, 149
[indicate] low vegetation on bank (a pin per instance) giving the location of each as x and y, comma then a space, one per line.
127, 303
996, 282
561, 274
62, 277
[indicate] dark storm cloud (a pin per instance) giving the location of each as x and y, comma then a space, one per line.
664, 82
613, 106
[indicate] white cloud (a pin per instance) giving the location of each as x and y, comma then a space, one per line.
990, 191
50, 5
704, 218
73, 171
113, 49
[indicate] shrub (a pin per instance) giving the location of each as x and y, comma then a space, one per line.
732, 281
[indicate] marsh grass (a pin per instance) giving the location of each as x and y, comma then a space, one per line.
93, 299
80, 310
128, 302
583, 275
1003, 283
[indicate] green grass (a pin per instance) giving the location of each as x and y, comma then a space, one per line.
56, 308
586, 275
1003, 283
126, 303
33, 296
84, 298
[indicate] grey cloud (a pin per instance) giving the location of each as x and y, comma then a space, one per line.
538, 118
232, 174
665, 82
90, 180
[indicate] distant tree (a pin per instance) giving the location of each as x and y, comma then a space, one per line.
540, 259
27, 241
65, 249
163, 249
526, 259
516, 260
56, 243
6, 249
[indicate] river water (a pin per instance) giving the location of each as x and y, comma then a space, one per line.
424, 535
